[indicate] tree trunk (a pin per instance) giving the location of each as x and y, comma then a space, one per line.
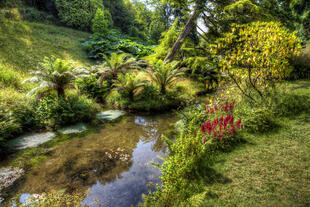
60, 92
163, 90
187, 29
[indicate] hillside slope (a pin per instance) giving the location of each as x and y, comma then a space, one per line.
23, 44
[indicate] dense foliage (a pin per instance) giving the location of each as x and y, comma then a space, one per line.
115, 42
241, 60
101, 22
255, 56
77, 13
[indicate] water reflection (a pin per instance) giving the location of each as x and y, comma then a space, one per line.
112, 164
129, 187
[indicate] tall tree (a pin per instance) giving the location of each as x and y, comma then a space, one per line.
199, 5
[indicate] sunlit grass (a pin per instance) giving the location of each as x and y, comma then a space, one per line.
24, 44
270, 169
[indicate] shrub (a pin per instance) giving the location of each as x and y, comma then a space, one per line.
55, 74
115, 42
301, 64
128, 84
10, 14
100, 23
9, 3
54, 112
90, 87
223, 128
194, 150
9, 125
202, 69
256, 118
148, 99
77, 13
34, 15
16, 114
261, 117
256, 55
165, 74
117, 64
285, 103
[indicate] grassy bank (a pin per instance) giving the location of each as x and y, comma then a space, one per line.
266, 169
23, 44
269, 170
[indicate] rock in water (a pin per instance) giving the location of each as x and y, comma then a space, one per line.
110, 115
32, 140
8, 176
80, 127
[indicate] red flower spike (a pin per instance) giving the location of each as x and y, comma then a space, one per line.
215, 107
231, 121
221, 119
238, 123
233, 130
203, 128
226, 120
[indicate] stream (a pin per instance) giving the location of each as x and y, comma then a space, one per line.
112, 165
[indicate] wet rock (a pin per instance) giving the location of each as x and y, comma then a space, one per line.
31, 140
110, 115
118, 154
77, 128
8, 176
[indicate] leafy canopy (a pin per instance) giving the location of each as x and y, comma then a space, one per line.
256, 55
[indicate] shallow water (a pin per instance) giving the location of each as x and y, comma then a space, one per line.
112, 164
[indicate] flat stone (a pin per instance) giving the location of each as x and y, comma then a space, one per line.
110, 115
77, 128
8, 176
31, 140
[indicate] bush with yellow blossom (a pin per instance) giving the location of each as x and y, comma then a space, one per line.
255, 56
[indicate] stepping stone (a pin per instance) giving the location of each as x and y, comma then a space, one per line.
78, 128
31, 140
110, 115
8, 176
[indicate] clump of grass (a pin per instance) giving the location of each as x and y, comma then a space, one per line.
9, 78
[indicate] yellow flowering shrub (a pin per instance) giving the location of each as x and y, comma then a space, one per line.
254, 56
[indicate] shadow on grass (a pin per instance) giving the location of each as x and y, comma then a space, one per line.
209, 175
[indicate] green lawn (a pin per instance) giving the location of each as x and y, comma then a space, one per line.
270, 169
